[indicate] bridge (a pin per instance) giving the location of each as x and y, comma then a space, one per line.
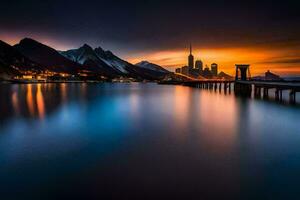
243, 85
211, 84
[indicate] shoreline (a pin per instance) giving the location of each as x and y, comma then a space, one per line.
47, 82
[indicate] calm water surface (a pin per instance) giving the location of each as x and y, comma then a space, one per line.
139, 141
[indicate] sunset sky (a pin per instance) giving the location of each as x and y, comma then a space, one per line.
265, 34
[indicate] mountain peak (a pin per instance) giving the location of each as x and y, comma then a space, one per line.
27, 40
3, 43
86, 46
144, 62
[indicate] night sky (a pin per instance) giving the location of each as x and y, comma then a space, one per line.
265, 34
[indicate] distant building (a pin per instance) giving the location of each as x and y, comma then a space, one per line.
178, 70
214, 69
207, 73
185, 70
194, 73
191, 59
199, 65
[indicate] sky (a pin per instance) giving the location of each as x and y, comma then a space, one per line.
265, 34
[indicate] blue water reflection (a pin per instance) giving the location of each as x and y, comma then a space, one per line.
137, 140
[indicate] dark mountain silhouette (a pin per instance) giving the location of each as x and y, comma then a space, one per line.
151, 66
47, 56
223, 75
11, 60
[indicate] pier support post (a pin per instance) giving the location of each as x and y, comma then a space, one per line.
293, 96
266, 93
257, 91
243, 89
278, 94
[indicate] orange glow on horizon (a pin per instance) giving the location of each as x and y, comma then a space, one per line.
259, 59
14, 38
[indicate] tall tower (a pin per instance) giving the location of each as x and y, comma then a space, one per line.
191, 59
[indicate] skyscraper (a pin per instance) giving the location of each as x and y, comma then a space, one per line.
191, 59
199, 65
214, 69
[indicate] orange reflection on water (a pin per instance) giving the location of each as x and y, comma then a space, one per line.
30, 100
40, 102
222, 110
63, 89
182, 104
15, 102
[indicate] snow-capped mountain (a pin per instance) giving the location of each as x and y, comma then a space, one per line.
111, 64
98, 59
80, 55
151, 66
113, 61
87, 56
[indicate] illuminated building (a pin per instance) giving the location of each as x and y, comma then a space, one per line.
214, 69
199, 65
178, 70
207, 73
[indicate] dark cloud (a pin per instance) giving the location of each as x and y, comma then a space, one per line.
295, 60
152, 25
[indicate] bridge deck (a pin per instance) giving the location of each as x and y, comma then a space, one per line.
210, 81
280, 85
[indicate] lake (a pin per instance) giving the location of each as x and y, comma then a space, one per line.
145, 141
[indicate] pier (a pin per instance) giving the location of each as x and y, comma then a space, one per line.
243, 85
261, 89
216, 85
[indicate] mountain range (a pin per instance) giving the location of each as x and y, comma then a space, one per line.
33, 55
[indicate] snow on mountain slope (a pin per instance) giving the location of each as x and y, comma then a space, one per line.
112, 64
151, 66
80, 55
110, 59
103, 59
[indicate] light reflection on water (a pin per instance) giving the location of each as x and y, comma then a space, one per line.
119, 139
